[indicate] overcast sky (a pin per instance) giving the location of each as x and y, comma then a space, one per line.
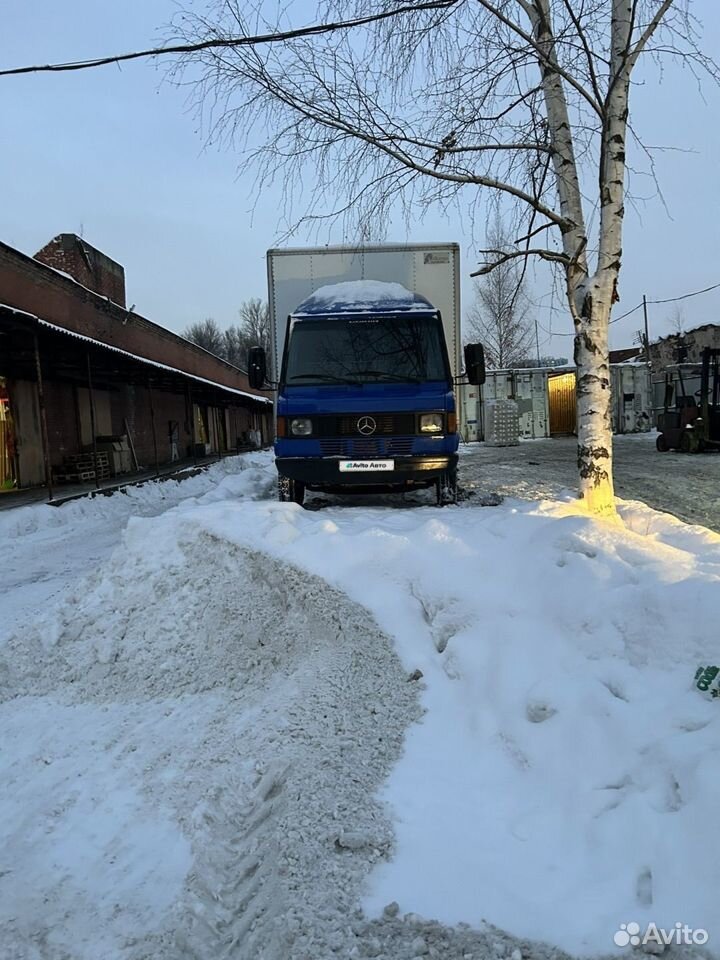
115, 155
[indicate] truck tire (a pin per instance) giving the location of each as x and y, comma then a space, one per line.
661, 443
689, 442
446, 488
290, 491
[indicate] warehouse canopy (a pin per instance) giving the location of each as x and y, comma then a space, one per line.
64, 357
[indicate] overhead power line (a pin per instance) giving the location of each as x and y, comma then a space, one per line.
629, 312
638, 306
242, 41
684, 296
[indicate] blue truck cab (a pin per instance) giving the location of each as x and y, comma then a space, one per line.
365, 395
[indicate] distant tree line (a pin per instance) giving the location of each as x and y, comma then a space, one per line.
232, 343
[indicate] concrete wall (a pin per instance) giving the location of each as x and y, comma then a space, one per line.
103, 417
61, 413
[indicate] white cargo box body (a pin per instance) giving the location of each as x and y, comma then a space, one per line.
430, 269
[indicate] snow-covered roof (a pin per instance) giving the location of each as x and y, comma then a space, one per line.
363, 296
565, 368
684, 333
134, 356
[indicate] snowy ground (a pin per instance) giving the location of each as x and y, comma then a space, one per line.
686, 486
216, 742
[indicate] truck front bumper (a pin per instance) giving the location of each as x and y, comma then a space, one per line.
323, 473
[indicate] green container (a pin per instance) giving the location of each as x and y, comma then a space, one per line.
707, 681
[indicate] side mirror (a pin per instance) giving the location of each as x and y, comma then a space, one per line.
257, 368
475, 363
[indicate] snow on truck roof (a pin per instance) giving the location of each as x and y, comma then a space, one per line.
362, 296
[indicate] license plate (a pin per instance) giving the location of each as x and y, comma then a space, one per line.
366, 466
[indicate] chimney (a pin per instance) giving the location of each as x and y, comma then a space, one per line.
74, 256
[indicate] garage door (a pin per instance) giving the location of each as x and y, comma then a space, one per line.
561, 399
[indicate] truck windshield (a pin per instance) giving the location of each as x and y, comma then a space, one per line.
388, 349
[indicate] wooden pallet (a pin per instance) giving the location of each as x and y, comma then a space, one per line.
81, 477
101, 459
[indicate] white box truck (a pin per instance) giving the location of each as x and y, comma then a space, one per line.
366, 354
430, 269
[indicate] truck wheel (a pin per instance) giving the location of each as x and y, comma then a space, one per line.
446, 489
290, 491
688, 442
661, 443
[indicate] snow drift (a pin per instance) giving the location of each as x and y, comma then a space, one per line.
213, 744
564, 779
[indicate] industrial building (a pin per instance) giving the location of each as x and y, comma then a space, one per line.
91, 392
678, 356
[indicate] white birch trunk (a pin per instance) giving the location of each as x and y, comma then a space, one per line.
591, 297
593, 317
594, 423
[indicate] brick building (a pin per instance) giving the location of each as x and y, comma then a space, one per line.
686, 347
96, 271
676, 359
80, 371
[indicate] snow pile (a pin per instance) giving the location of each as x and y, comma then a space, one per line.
565, 777
49, 548
192, 756
359, 296
251, 718
150, 497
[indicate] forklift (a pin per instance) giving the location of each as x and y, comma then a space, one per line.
691, 423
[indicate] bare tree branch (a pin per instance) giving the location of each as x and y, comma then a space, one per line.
534, 233
280, 36
648, 32
542, 54
499, 315
504, 256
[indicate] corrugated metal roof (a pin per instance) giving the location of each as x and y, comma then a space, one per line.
133, 356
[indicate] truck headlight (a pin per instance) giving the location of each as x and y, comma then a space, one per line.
431, 423
301, 427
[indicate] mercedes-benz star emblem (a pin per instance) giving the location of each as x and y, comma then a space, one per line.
366, 426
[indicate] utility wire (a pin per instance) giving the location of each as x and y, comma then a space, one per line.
615, 319
241, 41
684, 296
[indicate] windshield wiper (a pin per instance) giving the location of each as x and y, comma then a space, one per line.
393, 377
326, 377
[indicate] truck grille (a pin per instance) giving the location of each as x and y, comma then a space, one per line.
346, 425
367, 448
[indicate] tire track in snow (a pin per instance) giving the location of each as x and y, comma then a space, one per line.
286, 708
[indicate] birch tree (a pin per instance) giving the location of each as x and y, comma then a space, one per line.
523, 100
498, 317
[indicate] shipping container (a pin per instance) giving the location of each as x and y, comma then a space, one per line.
546, 401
